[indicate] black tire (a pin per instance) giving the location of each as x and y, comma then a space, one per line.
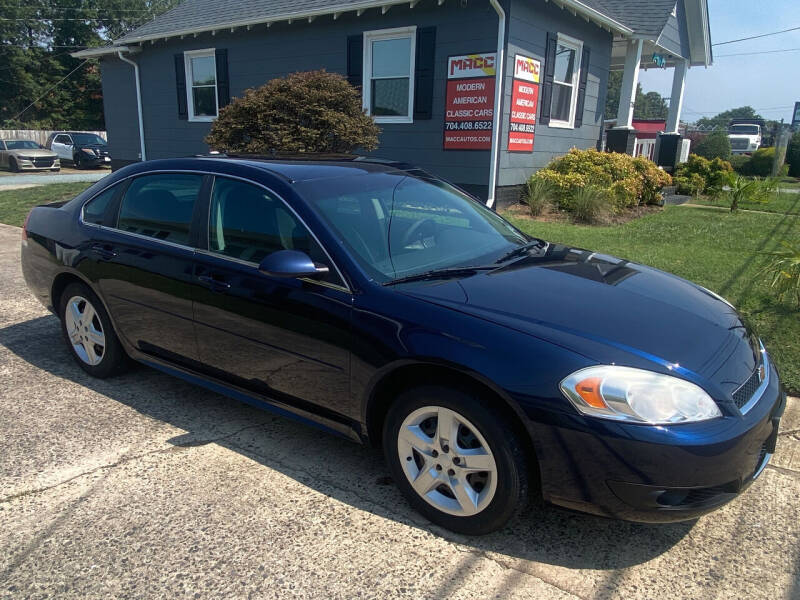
113, 359
76, 161
511, 493
12, 165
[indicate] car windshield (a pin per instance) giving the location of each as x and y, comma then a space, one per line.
22, 145
88, 138
744, 129
397, 225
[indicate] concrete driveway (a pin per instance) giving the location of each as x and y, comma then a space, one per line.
144, 486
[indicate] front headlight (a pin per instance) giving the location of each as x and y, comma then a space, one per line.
88, 151
637, 396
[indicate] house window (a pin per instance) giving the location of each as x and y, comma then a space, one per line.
566, 72
389, 74
201, 84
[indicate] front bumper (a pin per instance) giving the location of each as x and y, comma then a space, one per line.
656, 473
38, 164
95, 161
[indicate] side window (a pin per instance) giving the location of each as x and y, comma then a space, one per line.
63, 139
160, 206
94, 211
248, 223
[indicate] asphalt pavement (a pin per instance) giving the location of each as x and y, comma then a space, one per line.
144, 486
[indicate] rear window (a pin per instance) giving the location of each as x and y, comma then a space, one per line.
160, 206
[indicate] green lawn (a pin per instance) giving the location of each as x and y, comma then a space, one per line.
16, 204
785, 203
721, 251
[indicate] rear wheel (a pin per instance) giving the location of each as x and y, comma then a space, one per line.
88, 332
12, 165
455, 459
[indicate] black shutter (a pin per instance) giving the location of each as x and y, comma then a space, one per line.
223, 82
582, 87
180, 86
547, 81
355, 60
423, 72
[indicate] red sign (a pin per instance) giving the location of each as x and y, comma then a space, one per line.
524, 101
469, 105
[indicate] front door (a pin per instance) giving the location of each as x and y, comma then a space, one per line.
144, 264
284, 338
62, 145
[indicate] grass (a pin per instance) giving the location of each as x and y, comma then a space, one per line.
722, 251
785, 204
16, 204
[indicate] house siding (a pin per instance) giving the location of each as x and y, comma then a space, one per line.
528, 24
674, 38
261, 54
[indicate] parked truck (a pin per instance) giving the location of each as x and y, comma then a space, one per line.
745, 135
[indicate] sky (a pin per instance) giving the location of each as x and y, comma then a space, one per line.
770, 83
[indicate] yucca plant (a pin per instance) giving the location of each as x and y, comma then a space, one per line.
744, 189
784, 270
537, 194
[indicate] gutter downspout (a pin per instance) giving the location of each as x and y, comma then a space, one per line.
498, 98
138, 101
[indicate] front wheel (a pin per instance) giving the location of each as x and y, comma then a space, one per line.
76, 161
88, 332
13, 166
456, 460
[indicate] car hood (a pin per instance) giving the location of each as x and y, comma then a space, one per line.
33, 152
609, 310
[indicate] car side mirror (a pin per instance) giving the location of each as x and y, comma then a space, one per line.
291, 263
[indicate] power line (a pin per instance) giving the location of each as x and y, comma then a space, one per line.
50, 89
753, 37
759, 52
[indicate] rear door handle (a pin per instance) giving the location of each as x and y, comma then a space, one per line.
103, 251
214, 284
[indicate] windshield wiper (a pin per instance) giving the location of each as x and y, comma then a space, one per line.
441, 274
521, 251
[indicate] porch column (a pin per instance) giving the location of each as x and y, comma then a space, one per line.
630, 78
676, 99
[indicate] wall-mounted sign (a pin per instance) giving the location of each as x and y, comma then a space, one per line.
469, 105
524, 102
659, 60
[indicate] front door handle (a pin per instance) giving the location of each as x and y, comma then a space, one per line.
214, 284
103, 251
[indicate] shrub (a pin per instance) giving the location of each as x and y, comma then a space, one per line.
784, 269
740, 163
714, 145
793, 155
699, 175
537, 193
589, 204
760, 163
313, 111
626, 180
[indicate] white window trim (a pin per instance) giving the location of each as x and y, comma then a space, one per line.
576, 45
187, 62
366, 85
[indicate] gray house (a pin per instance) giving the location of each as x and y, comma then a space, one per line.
427, 69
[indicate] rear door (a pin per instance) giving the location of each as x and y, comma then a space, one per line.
144, 263
285, 338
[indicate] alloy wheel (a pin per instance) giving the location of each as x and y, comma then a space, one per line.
447, 461
85, 330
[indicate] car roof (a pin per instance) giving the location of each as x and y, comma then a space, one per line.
318, 167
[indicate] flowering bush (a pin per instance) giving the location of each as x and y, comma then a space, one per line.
699, 175
621, 180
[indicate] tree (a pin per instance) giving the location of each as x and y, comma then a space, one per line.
648, 106
36, 38
722, 119
714, 145
312, 111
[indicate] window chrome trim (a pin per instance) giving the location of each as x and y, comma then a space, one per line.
762, 387
346, 288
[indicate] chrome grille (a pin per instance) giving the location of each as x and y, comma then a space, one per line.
740, 144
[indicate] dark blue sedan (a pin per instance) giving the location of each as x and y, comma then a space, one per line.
384, 305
